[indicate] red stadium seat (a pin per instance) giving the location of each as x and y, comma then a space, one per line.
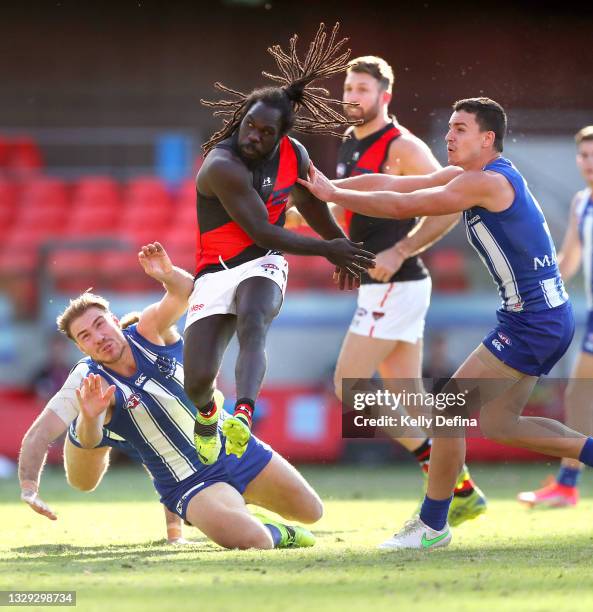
27, 237
9, 194
100, 191
139, 235
24, 156
41, 192
91, 221
73, 271
122, 272
149, 213
147, 191
448, 270
52, 217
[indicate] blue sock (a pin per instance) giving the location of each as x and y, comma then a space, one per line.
275, 533
586, 455
434, 512
569, 477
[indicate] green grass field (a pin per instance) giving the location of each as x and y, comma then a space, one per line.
108, 547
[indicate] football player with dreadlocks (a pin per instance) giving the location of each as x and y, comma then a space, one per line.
251, 168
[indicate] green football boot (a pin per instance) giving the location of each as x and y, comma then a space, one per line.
292, 536
206, 435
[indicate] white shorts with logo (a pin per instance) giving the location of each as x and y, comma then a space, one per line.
214, 293
392, 311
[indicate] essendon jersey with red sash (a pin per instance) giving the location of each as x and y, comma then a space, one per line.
367, 156
222, 243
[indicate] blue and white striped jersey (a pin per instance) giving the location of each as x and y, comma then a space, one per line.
584, 212
517, 248
152, 412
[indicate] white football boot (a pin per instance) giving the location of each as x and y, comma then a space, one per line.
417, 535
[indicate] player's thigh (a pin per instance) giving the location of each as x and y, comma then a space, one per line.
404, 361
499, 391
85, 466
360, 356
219, 511
281, 488
257, 298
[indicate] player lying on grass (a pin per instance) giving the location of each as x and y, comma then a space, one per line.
133, 388
84, 467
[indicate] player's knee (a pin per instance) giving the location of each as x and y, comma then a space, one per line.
497, 427
252, 326
313, 510
80, 483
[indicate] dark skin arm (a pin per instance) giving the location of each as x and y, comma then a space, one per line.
227, 177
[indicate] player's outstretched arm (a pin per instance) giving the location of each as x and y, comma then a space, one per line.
464, 191
157, 319
401, 184
231, 183
569, 258
47, 428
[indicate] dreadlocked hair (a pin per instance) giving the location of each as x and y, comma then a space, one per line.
303, 108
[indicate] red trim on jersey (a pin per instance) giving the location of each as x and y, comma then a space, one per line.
230, 240
372, 160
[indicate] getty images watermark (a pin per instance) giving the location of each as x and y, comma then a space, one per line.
408, 401
415, 408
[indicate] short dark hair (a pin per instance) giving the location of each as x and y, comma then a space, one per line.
584, 134
490, 116
377, 67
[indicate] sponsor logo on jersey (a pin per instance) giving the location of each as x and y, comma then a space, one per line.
504, 338
497, 345
378, 315
197, 307
547, 261
140, 380
474, 219
166, 365
361, 312
267, 182
518, 307
270, 267
341, 170
133, 401
356, 155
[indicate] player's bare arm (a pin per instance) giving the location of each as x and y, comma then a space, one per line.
157, 320
401, 184
95, 398
569, 258
410, 156
47, 428
469, 189
228, 179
